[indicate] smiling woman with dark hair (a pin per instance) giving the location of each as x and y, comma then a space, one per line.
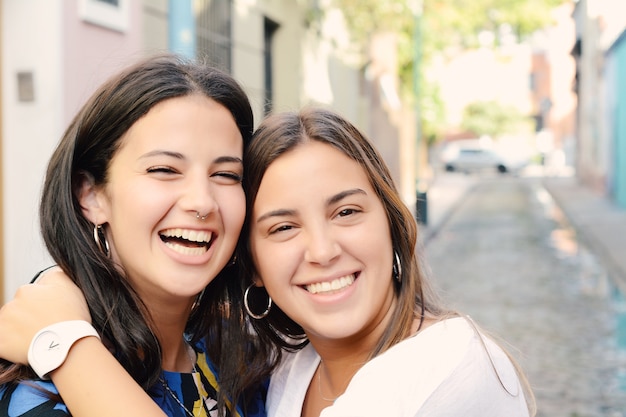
142, 207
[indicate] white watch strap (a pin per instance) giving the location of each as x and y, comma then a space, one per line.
50, 346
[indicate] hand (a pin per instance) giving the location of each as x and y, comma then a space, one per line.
53, 298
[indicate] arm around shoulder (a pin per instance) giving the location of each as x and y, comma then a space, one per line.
81, 377
54, 298
91, 381
93, 384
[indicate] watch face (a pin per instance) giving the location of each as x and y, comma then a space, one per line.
48, 348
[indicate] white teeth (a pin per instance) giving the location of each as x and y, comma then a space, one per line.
185, 250
200, 236
333, 285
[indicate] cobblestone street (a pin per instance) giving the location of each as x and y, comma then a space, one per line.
508, 258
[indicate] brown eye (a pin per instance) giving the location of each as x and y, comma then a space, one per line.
229, 175
346, 212
282, 228
161, 169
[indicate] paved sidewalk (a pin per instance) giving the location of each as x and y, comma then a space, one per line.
443, 197
599, 223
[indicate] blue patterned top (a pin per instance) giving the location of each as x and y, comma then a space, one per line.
195, 391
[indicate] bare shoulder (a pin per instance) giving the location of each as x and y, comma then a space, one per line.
54, 276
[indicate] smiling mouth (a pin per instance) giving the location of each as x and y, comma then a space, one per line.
331, 286
187, 242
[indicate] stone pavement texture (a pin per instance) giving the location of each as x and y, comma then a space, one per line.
598, 222
443, 197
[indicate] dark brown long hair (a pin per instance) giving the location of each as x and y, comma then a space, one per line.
86, 149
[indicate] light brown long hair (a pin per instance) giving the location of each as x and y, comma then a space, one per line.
281, 133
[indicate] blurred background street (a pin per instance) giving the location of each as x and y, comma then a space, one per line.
509, 257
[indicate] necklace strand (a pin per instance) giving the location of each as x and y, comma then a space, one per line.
319, 384
173, 394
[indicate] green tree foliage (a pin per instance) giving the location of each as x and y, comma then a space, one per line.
444, 24
493, 119
460, 22
425, 28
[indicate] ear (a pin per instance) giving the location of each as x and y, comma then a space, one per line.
92, 200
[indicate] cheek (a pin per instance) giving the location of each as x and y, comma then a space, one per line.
140, 199
275, 263
232, 205
133, 211
373, 243
260, 258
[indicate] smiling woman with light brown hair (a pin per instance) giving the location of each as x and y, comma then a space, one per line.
334, 246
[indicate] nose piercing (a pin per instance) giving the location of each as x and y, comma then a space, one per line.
200, 217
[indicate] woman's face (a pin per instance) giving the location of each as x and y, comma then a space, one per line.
321, 242
182, 158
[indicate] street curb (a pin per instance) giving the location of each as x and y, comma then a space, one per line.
427, 233
598, 223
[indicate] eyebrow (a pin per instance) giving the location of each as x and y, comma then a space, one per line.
276, 213
225, 159
178, 155
330, 201
160, 152
340, 196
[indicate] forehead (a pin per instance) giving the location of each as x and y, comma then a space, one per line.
315, 156
314, 169
183, 119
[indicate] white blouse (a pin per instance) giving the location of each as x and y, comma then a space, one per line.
447, 370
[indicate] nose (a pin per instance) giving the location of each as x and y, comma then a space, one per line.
322, 247
198, 197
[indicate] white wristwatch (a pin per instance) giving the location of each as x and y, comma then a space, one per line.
50, 346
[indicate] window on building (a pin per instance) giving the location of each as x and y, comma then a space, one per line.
269, 29
213, 32
111, 14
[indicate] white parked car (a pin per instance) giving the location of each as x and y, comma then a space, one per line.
473, 157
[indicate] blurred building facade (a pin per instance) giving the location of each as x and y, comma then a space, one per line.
553, 100
533, 76
285, 53
615, 118
600, 53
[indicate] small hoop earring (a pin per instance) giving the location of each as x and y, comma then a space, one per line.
397, 267
247, 305
100, 238
201, 217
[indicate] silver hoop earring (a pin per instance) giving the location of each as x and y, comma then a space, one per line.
397, 267
247, 305
100, 238
201, 217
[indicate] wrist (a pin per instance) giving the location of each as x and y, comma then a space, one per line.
50, 346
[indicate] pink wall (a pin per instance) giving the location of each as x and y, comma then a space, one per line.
92, 53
